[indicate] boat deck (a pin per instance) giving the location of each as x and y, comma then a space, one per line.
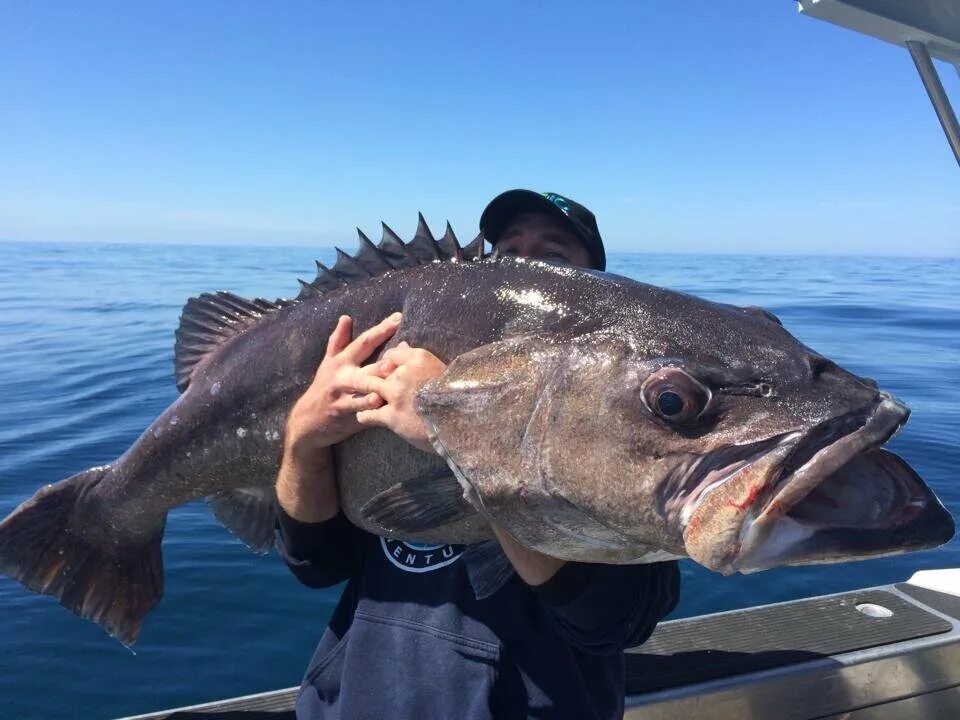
886, 652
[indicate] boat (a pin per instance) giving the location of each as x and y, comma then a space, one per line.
881, 653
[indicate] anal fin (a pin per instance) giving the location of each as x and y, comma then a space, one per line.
249, 513
487, 568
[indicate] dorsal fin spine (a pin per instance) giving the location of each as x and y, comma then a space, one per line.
392, 246
327, 273
306, 289
474, 250
389, 233
365, 242
422, 227
347, 266
371, 257
238, 304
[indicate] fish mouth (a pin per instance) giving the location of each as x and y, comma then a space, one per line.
830, 494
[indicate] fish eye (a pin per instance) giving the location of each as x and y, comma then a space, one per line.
669, 403
674, 396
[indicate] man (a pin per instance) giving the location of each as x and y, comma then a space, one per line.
409, 639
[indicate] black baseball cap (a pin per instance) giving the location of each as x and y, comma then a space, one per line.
506, 206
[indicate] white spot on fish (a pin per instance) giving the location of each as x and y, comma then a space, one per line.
464, 384
241, 432
531, 298
188, 453
215, 388
174, 420
156, 433
272, 435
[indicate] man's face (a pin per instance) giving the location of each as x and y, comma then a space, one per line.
544, 237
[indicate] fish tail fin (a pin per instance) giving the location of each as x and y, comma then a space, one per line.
47, 546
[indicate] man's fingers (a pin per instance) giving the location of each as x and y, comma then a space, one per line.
380, 369
340, 337
361, 382
369, 340
360, 403
398, 355
384, 367
373, 417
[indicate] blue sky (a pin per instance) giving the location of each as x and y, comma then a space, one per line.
686, 126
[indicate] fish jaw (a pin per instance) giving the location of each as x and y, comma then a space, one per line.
713, 517
827, 495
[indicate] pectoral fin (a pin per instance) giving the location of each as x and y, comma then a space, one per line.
418, 504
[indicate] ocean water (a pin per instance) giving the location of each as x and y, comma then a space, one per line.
86, 344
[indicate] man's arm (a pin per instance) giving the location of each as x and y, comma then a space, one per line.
604, 609
307, 487
599, 608
533, 567
317, 542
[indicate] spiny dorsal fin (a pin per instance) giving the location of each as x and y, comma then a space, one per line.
211, 319
424, 247
208, 321
391, 254
324, 282
449, 247
396, 249
370, 257
423, 230
348, 268
307, 290
473, 251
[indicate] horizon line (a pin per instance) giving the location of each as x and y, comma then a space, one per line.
610, 250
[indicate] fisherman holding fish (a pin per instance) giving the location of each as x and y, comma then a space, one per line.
412, 637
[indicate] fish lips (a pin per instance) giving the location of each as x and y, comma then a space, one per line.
848, 500
830, 495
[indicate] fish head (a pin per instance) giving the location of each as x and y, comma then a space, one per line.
699, 429
766, 453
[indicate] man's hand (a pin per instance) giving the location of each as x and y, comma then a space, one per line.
396, 378
327, 411
324, 415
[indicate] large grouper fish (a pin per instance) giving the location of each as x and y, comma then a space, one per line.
593, 417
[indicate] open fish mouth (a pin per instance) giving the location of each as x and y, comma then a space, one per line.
828, 495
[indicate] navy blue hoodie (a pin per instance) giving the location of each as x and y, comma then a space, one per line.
409, 640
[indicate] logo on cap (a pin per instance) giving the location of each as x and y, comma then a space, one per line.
559, 201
